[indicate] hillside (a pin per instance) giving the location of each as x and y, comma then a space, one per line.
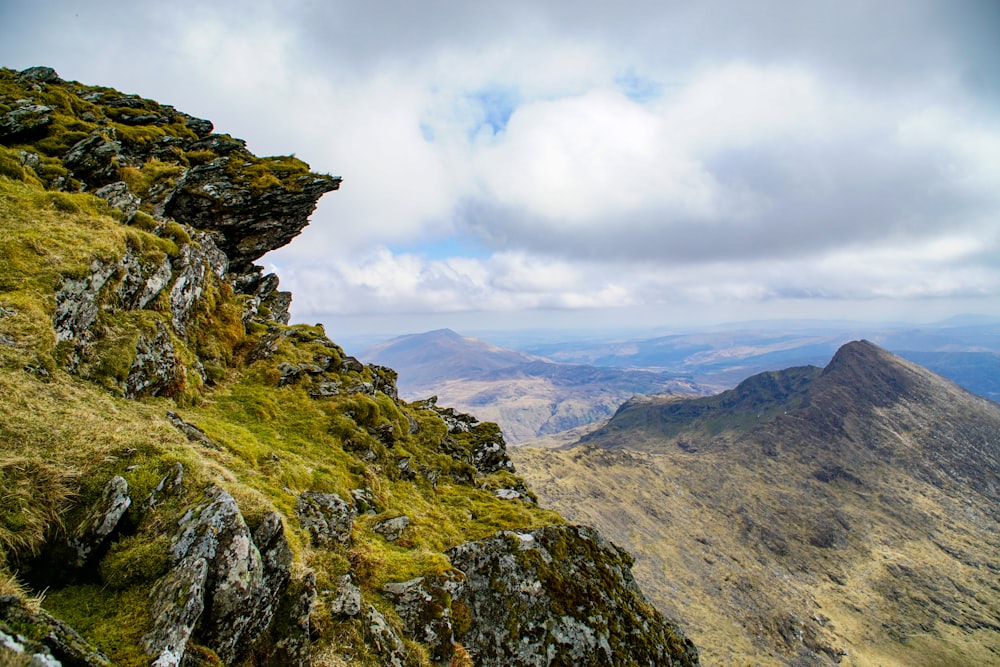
527, 396
838, 516
185, 478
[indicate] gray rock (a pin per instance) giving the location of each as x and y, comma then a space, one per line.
424, 607
190, 431
194, 268
346, 600
392, 529
141, 281
245, 577
101, 521
382, 638
559, 595
94, 159
23, 120
118, 195
155, 366
58, 643
489, 454
365, 501
178, 602
327, 517
40, 74
291, 649
250, 224
76, 302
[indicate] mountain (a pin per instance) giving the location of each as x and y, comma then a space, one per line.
185, 478
527, 396
844, 515
965, 350
436, 356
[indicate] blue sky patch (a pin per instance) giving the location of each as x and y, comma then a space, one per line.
638, 88
495, 106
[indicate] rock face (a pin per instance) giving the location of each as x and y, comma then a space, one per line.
561, 595
251, 223
224, 580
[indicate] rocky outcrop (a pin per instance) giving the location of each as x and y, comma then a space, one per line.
424, 607
561, 595
327, 517
216, 197
224, 580
101, 521
50, 640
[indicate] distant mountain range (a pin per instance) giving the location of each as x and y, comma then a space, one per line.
526, 394
844, 515
545, 388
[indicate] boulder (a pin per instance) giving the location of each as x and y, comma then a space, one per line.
58, 643
327, 517
101, 521
424, 607
244, 577
560, 595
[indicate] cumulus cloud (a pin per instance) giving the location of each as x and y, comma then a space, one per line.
584, 156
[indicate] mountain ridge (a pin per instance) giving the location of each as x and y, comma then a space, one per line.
857, 526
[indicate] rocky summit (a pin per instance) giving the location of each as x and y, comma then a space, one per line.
187, 479
844, 515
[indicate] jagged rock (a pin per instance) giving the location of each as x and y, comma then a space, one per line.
249, 223
101, 521
424, 607
61, 641
194, 266
326, 516
240, 588
93, 159
24, 120
141, 281
325, 389
39, 73
351, 365
76, 302
384, 380
489, 454
155, 366
392, 529
558, 595
118, 195
178, 602
383, 638
190, 431
347, 600
292, 648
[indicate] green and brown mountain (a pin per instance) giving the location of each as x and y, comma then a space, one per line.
527, 396
187, 479
846, 515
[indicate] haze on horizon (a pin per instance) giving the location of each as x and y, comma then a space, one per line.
587, 164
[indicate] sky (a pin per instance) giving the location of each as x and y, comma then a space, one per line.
585, 164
